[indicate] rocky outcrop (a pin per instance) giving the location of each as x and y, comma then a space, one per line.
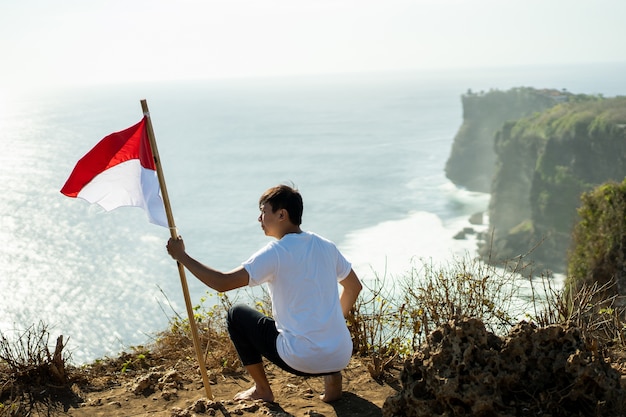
471, 163
536, 152
544, 164
463, 370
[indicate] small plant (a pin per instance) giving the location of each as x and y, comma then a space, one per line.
135, 361
210, 317
589, 308
30, 374
29, 357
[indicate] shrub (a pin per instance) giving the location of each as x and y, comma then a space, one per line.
30, 375
598, 252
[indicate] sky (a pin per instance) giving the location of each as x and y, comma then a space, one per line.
76, 42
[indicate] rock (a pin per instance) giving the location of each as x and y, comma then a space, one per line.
472, 160
207, 406
179, 412
170, 376
545, 161
463, 233
462, 369
142, 384
476, 218
168, 394
168, 382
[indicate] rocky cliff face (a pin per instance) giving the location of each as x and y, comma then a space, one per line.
472, 159
543, 163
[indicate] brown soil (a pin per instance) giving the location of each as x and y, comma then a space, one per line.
461, 366
121, 394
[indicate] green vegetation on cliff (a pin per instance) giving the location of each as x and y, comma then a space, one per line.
598, 252
581, 114
545, 162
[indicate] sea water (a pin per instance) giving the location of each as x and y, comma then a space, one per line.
367, 151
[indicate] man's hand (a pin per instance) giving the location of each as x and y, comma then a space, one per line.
176, 248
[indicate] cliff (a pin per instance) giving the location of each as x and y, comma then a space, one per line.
472, 159
543, 164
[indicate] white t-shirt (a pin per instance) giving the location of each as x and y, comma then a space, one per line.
302, 271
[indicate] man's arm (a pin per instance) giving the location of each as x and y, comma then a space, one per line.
351, 288
219, 281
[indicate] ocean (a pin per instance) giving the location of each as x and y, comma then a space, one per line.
367, 151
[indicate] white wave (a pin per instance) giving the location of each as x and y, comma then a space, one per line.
391, 247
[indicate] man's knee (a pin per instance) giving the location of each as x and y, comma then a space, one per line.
233, 315
230, 317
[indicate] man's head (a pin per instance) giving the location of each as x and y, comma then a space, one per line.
284, 197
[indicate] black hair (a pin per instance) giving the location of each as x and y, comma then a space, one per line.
284, 197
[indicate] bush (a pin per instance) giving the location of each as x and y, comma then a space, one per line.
598, 252
30, 375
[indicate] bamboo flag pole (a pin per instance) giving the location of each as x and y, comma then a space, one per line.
174, 234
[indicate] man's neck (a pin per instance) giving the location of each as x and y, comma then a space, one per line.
294, 229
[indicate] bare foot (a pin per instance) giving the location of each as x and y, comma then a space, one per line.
255, 394
332, 387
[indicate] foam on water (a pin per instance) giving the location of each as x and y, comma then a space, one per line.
393, 246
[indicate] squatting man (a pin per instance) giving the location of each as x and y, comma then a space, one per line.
307, 333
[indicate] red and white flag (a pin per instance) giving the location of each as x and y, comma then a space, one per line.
120, 171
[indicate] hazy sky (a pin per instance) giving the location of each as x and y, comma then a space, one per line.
56, 42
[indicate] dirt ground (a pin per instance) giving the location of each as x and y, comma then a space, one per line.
559, 370
118, 395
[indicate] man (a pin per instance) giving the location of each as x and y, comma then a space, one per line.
307, 334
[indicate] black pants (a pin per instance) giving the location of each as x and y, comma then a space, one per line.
254, 336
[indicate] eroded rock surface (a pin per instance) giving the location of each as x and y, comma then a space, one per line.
464, 370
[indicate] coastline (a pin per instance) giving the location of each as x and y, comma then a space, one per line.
393, 246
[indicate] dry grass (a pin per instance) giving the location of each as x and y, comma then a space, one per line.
599, 317
33, 379
395, 314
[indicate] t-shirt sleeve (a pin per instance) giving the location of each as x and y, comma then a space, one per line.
262, 265
343, 267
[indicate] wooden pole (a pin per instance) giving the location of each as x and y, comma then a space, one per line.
174, 234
